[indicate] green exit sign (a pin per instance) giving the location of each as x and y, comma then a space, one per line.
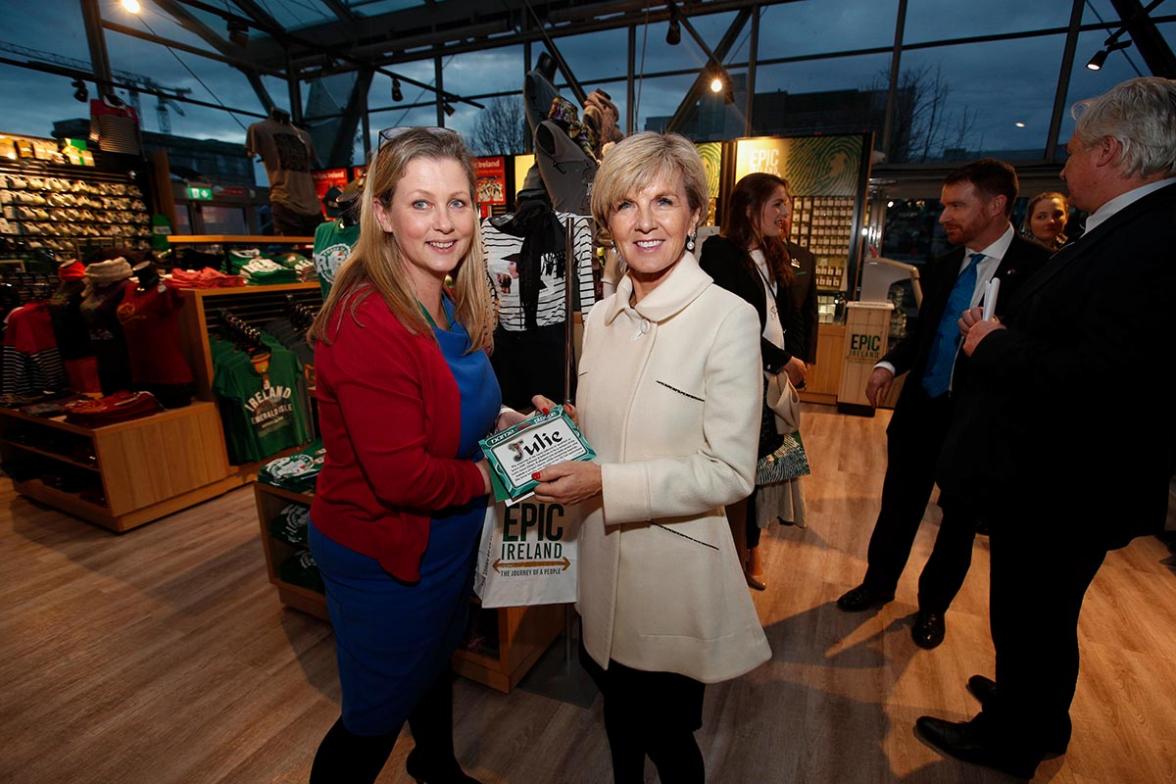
199, 193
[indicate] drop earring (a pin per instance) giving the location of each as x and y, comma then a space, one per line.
690, 242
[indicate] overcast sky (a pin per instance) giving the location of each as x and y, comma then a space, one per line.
1003, 83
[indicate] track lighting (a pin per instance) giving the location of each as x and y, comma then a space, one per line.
674, 33
1100, 57
449, 110
397, 95
81, 92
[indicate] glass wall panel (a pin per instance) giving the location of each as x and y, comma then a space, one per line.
594, 56
811, 27
934, 20
1119, 66
657, 99
490, 71
972, 100
838, 95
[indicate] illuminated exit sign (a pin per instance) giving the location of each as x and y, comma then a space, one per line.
199, 193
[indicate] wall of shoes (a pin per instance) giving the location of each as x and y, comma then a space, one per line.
70, 212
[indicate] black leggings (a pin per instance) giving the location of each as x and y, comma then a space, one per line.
650, 713
346, 758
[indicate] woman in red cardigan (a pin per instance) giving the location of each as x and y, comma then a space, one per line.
405, 391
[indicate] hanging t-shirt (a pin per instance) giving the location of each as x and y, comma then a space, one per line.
263, 400
32, 364
502, 254
332, 245
150, 323
288, 155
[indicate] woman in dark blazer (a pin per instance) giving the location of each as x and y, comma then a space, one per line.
750, 258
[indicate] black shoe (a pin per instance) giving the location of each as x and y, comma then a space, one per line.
966, 741
425, 772
982, 688
863, 598
929, 629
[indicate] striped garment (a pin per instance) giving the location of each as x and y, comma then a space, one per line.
502, 251
32, 363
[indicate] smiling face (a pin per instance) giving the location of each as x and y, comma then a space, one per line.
650, 230
1048, 219
775, 217
431, 214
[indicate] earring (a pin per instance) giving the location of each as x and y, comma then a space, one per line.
690, 243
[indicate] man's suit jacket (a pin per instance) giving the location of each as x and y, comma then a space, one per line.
1072, 416
913, 352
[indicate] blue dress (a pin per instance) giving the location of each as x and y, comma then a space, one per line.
393, 639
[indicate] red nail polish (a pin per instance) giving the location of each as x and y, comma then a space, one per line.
545, 410
535, 476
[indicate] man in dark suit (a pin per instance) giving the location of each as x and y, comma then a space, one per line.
1058, 483
977, 202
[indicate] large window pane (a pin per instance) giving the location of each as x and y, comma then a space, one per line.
812, 27
490, 71
968, 101
934, 20
583, 53
657, 99
1119, 66
838, 95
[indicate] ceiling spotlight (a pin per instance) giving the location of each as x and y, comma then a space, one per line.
674, 33
1100, 57
81, 93
397, 95
132, 6
716, 84
1019, 124
449, 110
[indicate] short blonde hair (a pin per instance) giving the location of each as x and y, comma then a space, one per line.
639, 160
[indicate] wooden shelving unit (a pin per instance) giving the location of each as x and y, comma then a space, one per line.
236, 239
123, 475
524, 633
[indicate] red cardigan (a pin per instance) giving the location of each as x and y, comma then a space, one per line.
390, 415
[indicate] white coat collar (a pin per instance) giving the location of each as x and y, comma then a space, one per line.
684, 285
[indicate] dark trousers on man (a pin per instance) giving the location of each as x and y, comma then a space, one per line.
912, 450
1040, 573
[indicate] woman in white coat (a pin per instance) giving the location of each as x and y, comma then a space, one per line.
669, 391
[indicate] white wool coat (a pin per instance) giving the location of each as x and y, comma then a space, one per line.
669, 394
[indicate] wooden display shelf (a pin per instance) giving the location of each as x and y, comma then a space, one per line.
524, 633
237, 239
146, 468
824, 377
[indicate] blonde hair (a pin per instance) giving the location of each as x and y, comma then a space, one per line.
376, 263
639, 160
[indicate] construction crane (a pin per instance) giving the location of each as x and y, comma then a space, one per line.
162, 104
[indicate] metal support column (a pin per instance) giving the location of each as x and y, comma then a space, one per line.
892, 92
99, 59
1059, 104
752, 57
295, 89
440, 85
630, 92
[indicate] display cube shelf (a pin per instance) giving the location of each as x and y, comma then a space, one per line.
524, 633
122, 475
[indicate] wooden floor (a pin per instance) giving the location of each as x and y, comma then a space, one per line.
162, 656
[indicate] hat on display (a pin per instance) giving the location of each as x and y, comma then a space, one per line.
106, 273
71, 270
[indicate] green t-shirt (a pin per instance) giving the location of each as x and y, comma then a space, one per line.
265, 412
332, 245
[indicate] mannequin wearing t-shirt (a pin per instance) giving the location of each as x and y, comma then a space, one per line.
334, 239
149, 315
104, 291
289, 157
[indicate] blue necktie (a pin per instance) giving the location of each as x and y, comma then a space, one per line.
946, 343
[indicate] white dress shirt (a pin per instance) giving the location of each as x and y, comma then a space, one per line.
985, 270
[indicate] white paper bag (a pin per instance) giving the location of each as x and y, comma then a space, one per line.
527, 555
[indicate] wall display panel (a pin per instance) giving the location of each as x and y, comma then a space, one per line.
795, 29
974, 100
825, 176
838, 95
936, 20
712, 160
1119, 67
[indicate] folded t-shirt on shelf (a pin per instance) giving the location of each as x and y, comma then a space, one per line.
296, 472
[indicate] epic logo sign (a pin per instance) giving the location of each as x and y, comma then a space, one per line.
865, 347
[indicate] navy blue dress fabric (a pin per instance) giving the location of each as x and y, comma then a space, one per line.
393, 639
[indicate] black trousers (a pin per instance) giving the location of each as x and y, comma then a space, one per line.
1040, 573
650, 714
912, 453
